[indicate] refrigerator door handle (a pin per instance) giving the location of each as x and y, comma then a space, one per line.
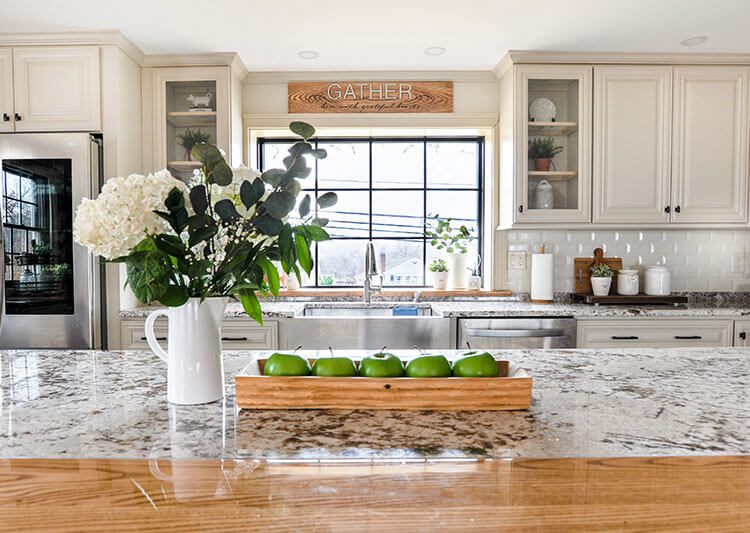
514, 333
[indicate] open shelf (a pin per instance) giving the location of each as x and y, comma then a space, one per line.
553, 174
191, 119
552, 129
184, 166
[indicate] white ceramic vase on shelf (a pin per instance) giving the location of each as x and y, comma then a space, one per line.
439, 280
457, 271
195, 369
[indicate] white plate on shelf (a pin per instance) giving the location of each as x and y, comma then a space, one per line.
542, 110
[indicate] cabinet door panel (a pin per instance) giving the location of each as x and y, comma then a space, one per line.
632, 122
709, 177
6, 89
57, 89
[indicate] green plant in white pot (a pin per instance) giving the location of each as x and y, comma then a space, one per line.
439, 270
601, 279
454, 241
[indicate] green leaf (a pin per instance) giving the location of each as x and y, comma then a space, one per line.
293, 188
207, 154
303, 252
269, 269
286, 247
268, 225
299, 149
317, 233
251, 305
202, 233
279, 204
303, 129
226, 210
299, 169
175, 200
320, 153
327, 200
273, 176
250, 193
304, 206
319, 221
170, 244
220, 174
198, 199
174, 296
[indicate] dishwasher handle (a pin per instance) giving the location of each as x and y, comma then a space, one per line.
514, 333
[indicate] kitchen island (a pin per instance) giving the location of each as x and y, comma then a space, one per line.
666, 419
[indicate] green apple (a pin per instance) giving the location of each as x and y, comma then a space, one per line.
381, 365
334, 367
475, 365
428, 366
286, 364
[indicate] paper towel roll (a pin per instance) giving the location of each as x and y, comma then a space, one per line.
542, 277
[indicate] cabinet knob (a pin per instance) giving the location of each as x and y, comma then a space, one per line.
6, 117
743, 335
520, 209
17, 116
667, 209
677, 209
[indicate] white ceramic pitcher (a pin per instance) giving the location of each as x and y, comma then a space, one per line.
195, 368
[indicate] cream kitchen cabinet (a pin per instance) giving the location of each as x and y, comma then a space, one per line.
631, 144
6, 89
742, 333
654, 332
236, 333
710, 144
56, 89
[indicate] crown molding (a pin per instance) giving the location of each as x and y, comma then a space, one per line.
217, 59
617, 58
373, 120
99, 38
456, 76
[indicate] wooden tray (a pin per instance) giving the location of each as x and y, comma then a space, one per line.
638, 299
582, 272
510, 391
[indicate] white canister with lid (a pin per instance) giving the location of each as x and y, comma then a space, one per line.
627, 282
544, 195
658, 281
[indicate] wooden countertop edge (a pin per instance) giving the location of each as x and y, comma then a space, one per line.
642, 493
357, 293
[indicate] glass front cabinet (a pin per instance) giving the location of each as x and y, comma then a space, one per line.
552, 140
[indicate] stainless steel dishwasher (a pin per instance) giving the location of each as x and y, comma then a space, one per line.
517, 333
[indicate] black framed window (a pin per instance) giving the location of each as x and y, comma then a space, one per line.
387, 186
23, 224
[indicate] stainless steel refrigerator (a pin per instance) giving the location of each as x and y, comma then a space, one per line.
50, 295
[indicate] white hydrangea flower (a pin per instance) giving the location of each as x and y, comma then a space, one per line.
123, 213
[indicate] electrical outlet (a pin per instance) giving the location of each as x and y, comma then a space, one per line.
517, 260
738, 263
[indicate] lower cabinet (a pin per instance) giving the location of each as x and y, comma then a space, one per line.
236, 334
655, 332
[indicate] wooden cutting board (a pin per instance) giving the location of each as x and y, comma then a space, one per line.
582, 271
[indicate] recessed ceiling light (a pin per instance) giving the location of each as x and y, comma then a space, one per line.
434, 51
694, 41
308, 54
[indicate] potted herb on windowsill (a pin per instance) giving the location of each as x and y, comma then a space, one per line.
542, 150
439, 270
601, 279
454, 242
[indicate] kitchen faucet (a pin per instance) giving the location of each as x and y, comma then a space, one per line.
371, 270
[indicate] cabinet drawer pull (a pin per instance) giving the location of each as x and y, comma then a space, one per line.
688, 337
6, 117
234, 339
667, 209
17, 116
677, 209
624, 338
157, 338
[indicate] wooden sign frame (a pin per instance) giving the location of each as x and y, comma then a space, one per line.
360, 97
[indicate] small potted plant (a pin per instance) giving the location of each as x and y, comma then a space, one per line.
542, 150
601, 279
439, 270
190, 138
454, 241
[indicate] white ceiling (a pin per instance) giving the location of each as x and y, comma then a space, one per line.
392, 34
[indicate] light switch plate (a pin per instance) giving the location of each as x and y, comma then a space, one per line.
517, 260
738, 263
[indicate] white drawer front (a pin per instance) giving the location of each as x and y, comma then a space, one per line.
654, 332
237, 334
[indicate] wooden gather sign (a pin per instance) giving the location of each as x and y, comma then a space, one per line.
370, 97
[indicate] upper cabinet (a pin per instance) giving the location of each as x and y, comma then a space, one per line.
6, 90
632, 126
50, 89
710, 146
553, 173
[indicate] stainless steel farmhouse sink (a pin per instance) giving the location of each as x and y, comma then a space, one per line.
366, 327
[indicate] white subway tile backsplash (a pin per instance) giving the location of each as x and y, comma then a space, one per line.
699, 259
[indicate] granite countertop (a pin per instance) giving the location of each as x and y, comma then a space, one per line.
586, 403
489, 308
